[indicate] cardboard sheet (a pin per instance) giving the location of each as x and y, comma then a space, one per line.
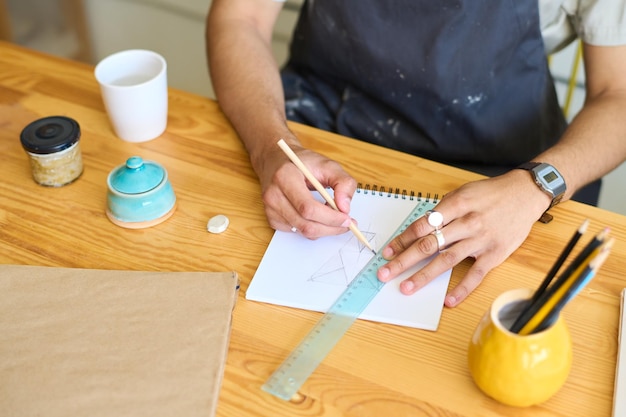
78, 342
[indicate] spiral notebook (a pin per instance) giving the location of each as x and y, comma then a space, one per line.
311, 274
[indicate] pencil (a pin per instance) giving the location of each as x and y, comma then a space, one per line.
550, 298
535, 305
320, 189
561, 259
581, 281
551, 274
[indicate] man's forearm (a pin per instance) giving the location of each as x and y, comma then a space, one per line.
594, 143
246, 81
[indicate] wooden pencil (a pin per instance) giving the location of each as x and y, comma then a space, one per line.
320, 189
580, 282
547, 301
528, 312
561, 259
552, 273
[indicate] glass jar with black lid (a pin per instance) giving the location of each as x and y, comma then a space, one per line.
52, 144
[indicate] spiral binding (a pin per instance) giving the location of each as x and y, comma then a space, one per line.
396, 193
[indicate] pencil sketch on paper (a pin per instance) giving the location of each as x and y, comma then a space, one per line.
343, 266
312, 274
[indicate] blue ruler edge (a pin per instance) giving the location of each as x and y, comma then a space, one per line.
307, 356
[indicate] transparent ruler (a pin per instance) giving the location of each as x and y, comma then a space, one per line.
306, 357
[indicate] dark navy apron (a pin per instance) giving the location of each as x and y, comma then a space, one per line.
465, 83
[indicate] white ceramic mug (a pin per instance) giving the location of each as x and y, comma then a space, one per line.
133, 84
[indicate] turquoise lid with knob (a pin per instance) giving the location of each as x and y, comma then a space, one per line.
137, 176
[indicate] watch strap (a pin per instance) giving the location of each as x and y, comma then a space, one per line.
528, 166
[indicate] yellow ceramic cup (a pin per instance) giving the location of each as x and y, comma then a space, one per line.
518, 370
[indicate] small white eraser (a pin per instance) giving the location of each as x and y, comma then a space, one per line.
218, 224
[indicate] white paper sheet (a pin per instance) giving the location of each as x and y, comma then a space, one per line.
312, 274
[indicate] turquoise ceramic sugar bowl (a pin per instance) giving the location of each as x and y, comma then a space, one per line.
139, 194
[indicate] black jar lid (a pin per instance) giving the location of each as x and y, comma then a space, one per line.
50, 135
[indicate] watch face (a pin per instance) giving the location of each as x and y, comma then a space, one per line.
550, 176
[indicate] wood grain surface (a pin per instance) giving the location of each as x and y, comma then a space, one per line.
377, 369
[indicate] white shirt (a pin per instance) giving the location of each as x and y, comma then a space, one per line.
596, 22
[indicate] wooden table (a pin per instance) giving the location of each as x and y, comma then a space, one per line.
376, 370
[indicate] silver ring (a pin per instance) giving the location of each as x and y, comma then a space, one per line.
441, 241
293, 229
435, 219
